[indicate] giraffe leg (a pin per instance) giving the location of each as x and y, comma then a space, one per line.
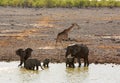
62, 44
56, 44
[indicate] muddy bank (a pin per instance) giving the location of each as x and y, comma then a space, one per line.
38, 28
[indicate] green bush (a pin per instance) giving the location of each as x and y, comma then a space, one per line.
60, 3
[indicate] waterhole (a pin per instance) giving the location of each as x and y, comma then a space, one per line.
58, 73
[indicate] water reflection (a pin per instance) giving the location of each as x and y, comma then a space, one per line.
26, 76
76, 75
58, 73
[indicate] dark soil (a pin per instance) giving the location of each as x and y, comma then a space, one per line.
38, 29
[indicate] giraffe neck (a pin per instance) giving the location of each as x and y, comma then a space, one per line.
67, 30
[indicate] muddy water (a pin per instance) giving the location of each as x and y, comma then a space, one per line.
58, 73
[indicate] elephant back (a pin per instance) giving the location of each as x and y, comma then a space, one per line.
30, 63
84, 49
77, 49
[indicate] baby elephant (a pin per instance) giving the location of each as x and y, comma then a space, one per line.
46, 62
70, 62
31, 64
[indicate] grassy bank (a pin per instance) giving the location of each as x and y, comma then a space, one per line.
60, 3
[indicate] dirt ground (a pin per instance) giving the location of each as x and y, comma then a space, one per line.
37, 28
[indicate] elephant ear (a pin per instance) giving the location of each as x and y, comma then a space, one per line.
19, 52
27, 53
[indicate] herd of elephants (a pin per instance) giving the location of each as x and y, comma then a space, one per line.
73, 51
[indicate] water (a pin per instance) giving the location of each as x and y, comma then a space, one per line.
58, 73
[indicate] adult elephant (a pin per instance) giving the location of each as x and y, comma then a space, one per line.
31, 64
24, 55
78, 51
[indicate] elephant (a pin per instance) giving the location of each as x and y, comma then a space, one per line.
46, 62
78, 51
31, 64
24, 55
70, 62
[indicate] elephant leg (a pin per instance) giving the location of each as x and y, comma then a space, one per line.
73, 65
21, 62
41, 67
47, 65
32, 68
66, 64
69, 65
29, 68
79, 62
37, 67
87, 62
44, 64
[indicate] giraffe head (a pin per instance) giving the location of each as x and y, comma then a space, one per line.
75, 24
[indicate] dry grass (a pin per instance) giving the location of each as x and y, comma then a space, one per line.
4, 43
19, 35
108, 47
44, 22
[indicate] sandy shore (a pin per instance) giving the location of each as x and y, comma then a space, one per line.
38, 28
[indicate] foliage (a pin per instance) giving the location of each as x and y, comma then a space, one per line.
60, 3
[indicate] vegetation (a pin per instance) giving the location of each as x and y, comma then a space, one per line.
60, 3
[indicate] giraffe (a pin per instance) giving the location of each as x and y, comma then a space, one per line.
62, 36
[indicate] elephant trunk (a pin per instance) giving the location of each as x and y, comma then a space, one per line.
67, 53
